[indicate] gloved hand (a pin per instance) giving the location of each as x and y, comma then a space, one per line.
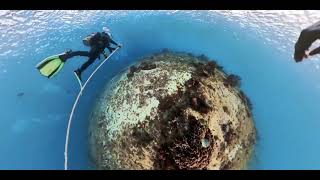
306, 38
120, 45
105, 55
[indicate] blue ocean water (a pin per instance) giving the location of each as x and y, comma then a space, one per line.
256, 45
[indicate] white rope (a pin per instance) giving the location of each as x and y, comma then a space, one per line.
74, 107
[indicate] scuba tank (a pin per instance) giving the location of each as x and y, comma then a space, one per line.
107, 31
87, 41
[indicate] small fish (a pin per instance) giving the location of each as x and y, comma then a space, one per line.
20, 94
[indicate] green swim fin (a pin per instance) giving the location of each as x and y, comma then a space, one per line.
50, 66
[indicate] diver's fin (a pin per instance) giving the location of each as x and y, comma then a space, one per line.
50, 66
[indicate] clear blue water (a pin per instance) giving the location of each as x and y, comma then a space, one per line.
255, 45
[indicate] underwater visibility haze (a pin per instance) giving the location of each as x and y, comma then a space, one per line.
256, 45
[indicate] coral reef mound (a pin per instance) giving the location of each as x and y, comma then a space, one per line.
172, 111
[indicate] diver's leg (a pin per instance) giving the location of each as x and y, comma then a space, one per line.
93, 55
69, 55
80, 53
86, 64
84, 67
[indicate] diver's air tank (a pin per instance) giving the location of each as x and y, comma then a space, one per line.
87, 40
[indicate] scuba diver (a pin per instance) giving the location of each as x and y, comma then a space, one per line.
96, 41
307, 37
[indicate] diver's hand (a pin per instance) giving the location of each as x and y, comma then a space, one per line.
120, 45
105, 55
314, 52
307, 37
302, 45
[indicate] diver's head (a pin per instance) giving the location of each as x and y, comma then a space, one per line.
106, 31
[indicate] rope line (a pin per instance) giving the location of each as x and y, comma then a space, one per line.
74, 107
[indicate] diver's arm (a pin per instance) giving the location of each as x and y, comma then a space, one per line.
113, 42
307, 37
305, 40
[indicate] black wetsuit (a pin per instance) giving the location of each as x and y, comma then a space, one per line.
306, 38
99, 42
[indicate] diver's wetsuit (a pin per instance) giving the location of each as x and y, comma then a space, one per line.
305, 40
99, 42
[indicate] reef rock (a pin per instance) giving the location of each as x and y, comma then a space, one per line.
172, 111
